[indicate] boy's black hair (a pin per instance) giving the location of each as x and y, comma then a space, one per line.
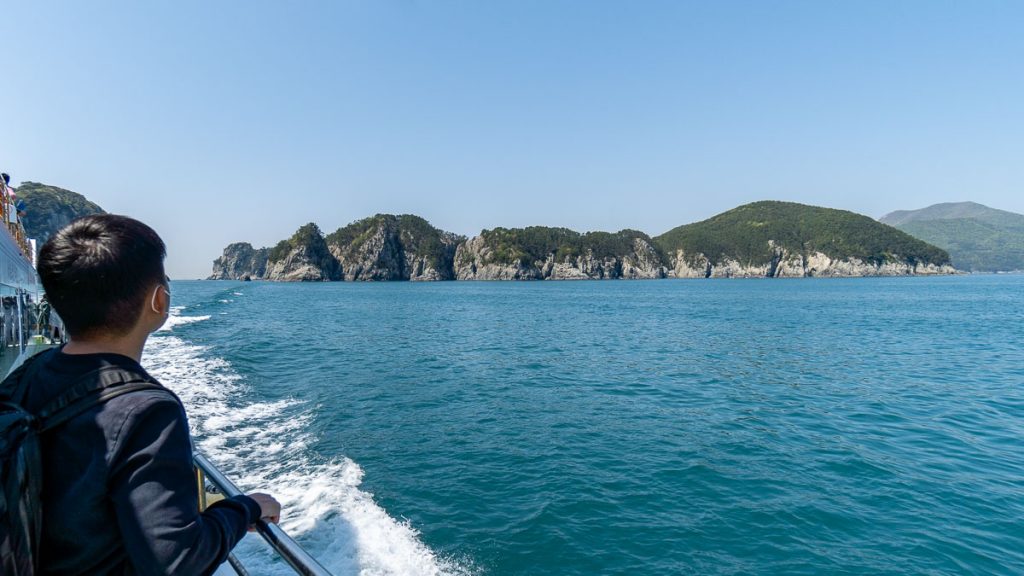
98, 271
7, 179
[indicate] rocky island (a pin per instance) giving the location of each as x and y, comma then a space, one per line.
759, 240
382, 247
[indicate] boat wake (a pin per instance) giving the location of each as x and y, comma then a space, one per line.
264, 446
175, 319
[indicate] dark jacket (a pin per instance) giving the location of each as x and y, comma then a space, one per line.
119, 491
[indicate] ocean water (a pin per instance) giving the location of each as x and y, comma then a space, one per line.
862, 426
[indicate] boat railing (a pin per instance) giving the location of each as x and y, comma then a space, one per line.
289, 550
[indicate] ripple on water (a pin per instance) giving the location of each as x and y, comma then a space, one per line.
819, 427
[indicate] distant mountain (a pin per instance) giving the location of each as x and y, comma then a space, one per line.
978, 238
785, 239
49, 208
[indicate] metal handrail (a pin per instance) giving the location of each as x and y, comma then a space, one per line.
282, 543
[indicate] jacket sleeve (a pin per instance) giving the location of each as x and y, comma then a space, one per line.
155, 496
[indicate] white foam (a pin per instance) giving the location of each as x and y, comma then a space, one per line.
264, 446
176, 319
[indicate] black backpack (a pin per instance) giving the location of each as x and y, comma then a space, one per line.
20, 463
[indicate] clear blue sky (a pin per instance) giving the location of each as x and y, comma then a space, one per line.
226, 121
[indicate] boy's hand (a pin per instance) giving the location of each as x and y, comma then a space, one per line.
270, 509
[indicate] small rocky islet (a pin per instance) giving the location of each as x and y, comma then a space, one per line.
768, 239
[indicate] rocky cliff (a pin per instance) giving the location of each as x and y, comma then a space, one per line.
787, 265
388, 247
540, 253
49, 208
382, 247
240, 261
304, 257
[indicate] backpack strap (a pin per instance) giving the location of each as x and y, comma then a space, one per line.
87, 391
15, 386
91, 390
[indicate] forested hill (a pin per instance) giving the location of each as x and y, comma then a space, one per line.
757, 233
49, 208
978, 238
763, 239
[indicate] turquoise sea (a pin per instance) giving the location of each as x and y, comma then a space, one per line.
861, 426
